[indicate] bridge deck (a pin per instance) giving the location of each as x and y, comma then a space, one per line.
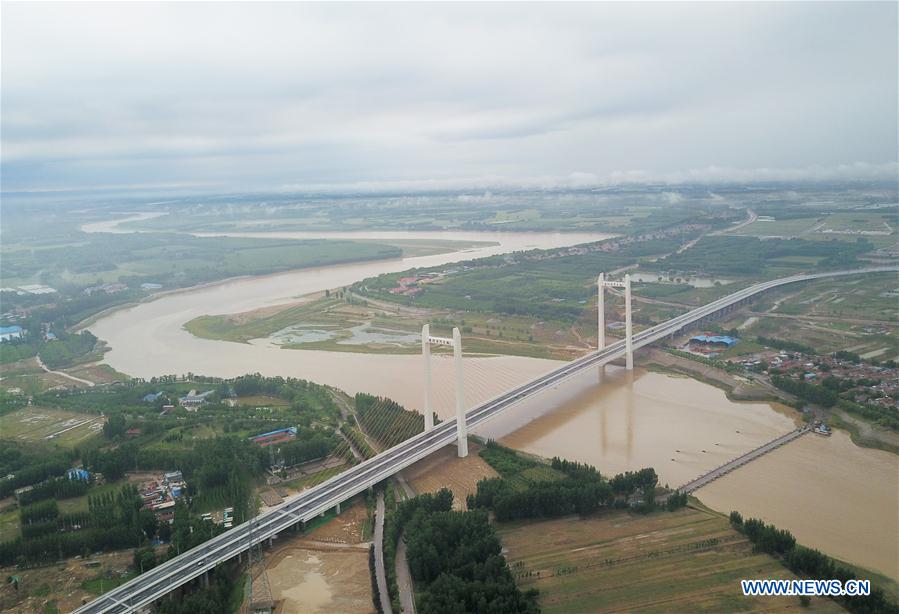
161, 580
726, 468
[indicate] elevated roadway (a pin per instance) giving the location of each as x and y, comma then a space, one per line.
163, 579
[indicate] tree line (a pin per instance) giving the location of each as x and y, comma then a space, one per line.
811, 393
456, 560
388, 421
810, 563
582, 491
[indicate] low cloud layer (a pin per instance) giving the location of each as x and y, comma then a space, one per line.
293, 95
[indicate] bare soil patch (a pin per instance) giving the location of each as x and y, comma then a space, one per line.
59, 584
444, 469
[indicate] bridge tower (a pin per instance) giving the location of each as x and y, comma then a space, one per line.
601, 285
429, 392
456, 343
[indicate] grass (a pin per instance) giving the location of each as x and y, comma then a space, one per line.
683, 561
180, 260
262, 400
311, 480
778, 228
105, 583
483, 333
37, 424
100, 374
9, 525
79, 504
852, 313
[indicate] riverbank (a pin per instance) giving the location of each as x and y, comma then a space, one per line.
739, 388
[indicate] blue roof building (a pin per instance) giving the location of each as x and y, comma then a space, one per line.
8, 333
78, 474
715, 339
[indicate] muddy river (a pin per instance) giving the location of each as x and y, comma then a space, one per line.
149, 339
830, 493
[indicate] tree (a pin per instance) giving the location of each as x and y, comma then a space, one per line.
115, 426
149, 523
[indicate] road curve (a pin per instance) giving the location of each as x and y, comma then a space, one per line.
161, 580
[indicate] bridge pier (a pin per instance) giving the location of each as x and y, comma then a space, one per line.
337, 509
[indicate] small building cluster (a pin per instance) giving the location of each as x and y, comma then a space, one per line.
710, 345
193, 399
226, 519
11, 333
78, 474
275, 437
412, 286
30, 289
111, 288
875, 384
160, 494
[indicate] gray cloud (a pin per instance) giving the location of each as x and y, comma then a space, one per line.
249, 95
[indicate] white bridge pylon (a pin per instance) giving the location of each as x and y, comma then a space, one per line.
456, 343
601, 285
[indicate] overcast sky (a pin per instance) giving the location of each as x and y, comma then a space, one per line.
297, 95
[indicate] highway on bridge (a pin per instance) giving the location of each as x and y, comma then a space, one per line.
161, 580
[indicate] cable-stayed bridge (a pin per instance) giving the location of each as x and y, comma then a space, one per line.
163, 579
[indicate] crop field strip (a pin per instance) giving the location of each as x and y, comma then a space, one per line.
683, 561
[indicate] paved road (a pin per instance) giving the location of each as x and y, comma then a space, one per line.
161, 580
41, 364
726, 468
380, 573
751, 216
404, 580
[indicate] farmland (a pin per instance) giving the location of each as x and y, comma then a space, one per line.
688, 560
37, 424
877, 226
854, 314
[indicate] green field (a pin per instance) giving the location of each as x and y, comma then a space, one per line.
41, 425
857, 314
176, 260
685, 561
779, 228
519, 211
261, 400
484, 333
878, 227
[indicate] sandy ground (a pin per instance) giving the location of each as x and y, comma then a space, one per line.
60, 584
323, 571
443, 469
